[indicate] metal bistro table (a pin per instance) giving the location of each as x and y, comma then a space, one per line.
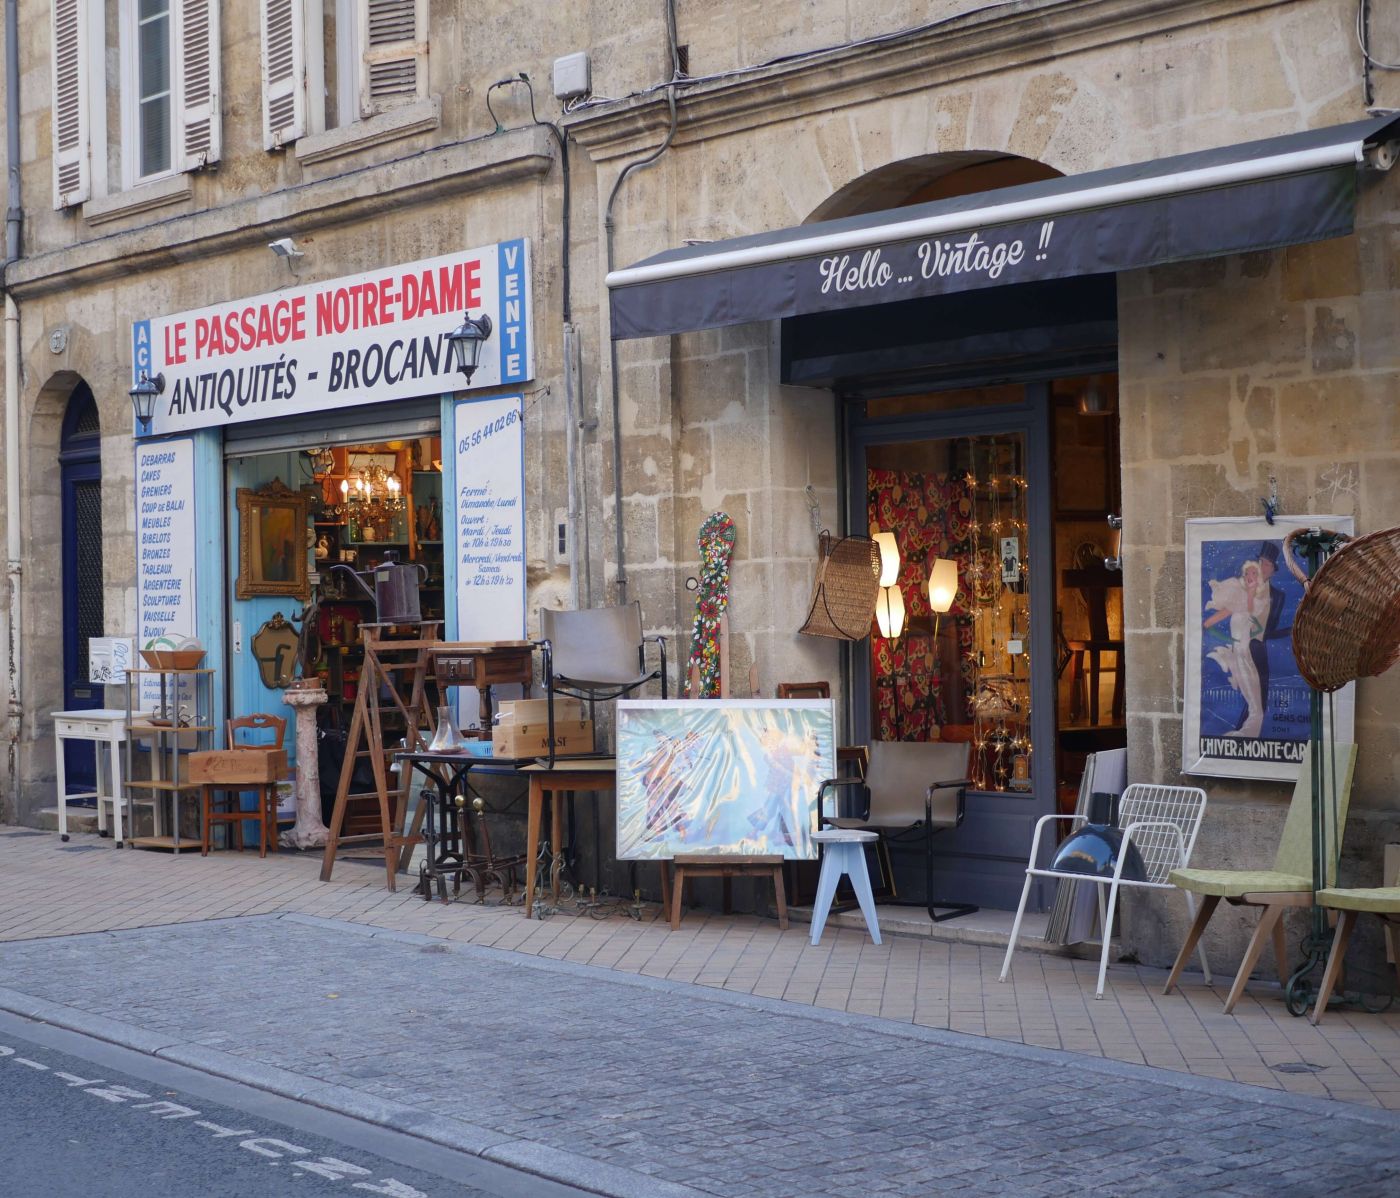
450, 850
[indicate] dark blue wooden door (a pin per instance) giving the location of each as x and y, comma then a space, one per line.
83, 614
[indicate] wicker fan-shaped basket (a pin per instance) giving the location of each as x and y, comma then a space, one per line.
1348, 621
847, 586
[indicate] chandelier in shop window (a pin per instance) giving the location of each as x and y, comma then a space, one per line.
372, 495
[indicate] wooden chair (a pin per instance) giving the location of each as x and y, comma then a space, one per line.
1162, 822
1383, 902
1288, 884
1094, 585
223, 802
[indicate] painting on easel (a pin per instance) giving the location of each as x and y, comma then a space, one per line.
730, 776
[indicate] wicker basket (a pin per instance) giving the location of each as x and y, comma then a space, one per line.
1348, 622
847, 586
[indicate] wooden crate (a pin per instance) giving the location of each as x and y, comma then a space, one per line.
532, 740
250, 765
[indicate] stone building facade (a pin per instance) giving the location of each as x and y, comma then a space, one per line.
1232, 370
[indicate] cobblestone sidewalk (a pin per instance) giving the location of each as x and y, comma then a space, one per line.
725, 1094
48, 889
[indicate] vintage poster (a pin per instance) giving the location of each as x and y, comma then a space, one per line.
1245, 705
721, 776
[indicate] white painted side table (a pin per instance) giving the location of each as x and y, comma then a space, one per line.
104, 726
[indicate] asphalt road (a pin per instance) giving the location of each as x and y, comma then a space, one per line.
84, 1118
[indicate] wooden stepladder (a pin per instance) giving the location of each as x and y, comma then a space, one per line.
377, 816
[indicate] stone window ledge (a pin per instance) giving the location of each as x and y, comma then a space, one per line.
174, 190
422, 117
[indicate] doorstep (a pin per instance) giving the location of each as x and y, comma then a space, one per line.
80, 819
986, 927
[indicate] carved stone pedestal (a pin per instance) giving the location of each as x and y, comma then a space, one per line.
309, 832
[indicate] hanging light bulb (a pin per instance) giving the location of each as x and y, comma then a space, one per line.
889, 612
889, 558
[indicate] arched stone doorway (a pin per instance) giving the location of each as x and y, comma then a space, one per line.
80, 482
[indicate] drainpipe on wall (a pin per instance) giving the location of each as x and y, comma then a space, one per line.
609, 228
14, 217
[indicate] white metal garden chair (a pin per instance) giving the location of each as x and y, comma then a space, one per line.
1162, 821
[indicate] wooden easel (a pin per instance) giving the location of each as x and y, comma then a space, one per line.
385, 659
694, 676
721, 865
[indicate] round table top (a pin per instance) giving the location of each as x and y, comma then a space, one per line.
838, 835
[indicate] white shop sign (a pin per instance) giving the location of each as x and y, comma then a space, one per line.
108, 659
361, 339
489, 518
165, 546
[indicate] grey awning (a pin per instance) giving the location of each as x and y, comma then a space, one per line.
1258, 195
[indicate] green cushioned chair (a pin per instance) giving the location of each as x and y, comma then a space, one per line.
1288, 884
1383, 901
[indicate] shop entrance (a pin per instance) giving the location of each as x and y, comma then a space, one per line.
1012, 484
365, 498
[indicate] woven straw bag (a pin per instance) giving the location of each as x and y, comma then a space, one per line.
847, 586
1348, 621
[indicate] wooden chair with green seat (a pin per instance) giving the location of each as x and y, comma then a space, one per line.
1383, 901
1288, 884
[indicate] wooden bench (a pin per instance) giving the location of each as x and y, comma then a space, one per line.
726, 865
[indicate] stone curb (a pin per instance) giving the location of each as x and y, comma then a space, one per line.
553, 1164
1192, 1083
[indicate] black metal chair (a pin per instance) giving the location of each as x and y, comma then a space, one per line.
908, 786
596, 653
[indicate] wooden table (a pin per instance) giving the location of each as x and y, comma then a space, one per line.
106, 726
560, 781
484, 664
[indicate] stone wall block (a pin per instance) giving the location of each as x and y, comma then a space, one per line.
740, 455
1044, 100
1153, 672
1321, 270
1378, 329
1225, 328
712, 390
1260, 416
639, 526
1333, 338
1327, 417
648, 464
694, 457
1169, 590
1207, 430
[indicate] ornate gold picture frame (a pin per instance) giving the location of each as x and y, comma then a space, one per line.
272, 542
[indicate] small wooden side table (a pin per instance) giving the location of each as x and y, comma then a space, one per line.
562, 780
104, 726
484, 664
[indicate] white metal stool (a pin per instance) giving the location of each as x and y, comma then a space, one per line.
844, 853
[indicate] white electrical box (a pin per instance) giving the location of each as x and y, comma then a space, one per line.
573, 76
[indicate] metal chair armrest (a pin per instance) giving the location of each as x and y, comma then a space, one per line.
660, 642
1040, 827
827, 785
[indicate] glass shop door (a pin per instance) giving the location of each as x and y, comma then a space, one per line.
955, 487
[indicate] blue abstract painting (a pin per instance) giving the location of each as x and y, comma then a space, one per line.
721, 776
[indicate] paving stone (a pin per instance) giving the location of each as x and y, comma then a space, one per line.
682, 1084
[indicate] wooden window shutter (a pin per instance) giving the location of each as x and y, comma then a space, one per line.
393, 65
72, 166
283, 72
198, 140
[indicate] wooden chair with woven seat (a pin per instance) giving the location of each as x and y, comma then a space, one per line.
1288, 884
260, 730
1381, 901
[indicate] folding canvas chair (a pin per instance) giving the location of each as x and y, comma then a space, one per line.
910, 787
596, 653
1288, 884
1162, 822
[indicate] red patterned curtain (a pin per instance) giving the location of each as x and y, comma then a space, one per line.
930, 515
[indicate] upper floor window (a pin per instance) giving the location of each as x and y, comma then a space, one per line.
328, 63
168, 77
169, 87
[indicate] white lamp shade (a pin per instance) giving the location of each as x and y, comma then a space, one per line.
889, 558
942, 584
889, 612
